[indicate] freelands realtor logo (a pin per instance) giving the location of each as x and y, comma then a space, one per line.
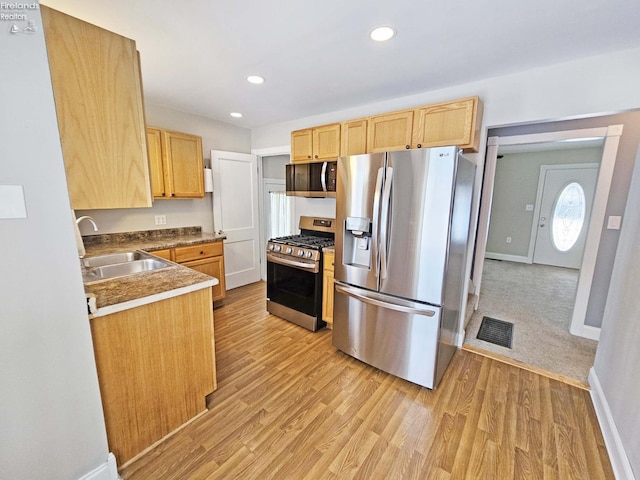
15, 11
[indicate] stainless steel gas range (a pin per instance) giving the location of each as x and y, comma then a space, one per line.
294, 272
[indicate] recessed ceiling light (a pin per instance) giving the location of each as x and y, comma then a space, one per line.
236, 114
382, 34
255, 79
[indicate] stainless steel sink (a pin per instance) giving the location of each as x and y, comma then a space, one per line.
122, 264
112, 258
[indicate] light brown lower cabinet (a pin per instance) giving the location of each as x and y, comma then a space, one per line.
327, 289
156, 364
207, 258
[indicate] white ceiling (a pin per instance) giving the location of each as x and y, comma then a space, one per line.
317, 57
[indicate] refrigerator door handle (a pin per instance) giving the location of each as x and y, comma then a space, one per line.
352, 292
323, 177
376, 214
384, 221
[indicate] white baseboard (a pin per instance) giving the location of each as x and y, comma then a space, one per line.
615, 448
590, 332
107, 471
508, 258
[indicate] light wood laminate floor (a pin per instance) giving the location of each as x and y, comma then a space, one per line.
289, 406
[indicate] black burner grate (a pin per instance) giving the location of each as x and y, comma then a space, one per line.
496, 331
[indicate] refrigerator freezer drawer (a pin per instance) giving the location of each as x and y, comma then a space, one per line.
398, 337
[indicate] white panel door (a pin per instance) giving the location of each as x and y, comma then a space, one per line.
565, 211
236, 214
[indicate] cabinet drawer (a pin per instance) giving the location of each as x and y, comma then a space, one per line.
165, 253
194, 252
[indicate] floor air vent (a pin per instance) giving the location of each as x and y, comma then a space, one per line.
496, 331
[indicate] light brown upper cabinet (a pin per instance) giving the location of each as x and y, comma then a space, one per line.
390, 131
98, 95
316, 144
354, 137
176, 164
448, 123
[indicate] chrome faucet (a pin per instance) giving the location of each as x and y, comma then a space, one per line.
79, 241
91, 220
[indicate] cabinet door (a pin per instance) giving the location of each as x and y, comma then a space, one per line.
327, 289
326, 142
391, 131
98, 95
354, 137
156, 364
449, 123
183, 159
158, 181
302, 145
213, 266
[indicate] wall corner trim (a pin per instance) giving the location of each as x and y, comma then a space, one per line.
107, 471
617, 455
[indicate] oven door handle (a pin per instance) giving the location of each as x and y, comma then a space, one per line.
310, 267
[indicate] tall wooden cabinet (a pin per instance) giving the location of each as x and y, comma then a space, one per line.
98, 95
176, 164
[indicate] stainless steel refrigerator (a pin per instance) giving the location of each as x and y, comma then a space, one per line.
402, 228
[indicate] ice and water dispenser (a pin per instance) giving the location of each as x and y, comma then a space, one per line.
357, 242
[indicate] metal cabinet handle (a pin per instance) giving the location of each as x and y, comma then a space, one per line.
407, 147
419, 145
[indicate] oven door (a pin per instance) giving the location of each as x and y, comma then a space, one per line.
294, 290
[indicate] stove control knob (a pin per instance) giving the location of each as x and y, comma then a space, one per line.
309, 254
300, 253
271, 247
277, 248
288, 250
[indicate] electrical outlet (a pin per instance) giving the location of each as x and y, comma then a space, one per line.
508, 239
161, 219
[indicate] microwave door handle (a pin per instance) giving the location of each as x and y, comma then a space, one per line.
323, 177
384, 221
376, 215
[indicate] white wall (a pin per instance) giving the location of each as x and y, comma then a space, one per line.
516, 185
605, 83
179, 212
51, 419
618, 357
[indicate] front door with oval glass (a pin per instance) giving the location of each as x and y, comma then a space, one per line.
565, 210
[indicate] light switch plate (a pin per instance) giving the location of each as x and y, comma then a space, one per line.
12, 203
614, 222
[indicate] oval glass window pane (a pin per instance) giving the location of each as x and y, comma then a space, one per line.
568, 217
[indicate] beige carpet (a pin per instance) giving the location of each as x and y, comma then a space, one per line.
538, 300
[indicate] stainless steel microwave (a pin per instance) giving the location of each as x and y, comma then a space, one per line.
317, 179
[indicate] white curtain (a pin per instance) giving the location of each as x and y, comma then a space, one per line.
281, 213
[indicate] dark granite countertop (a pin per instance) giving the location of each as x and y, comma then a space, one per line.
109, 296
148, 240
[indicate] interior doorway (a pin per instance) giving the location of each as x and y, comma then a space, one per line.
609, 138
549, 301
